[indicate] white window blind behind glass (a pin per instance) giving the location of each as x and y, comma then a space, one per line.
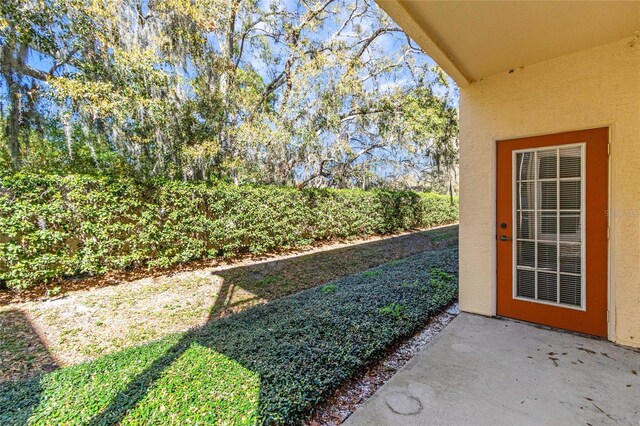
548, 225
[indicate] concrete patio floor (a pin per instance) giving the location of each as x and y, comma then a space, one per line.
487, 371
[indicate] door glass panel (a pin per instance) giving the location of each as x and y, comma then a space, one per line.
526, 283
526, 170
570, 162
570, 289
525, 195
570, 227
547, 164
547, 226
570, 195
548, 220
547, 195
527, 254
547, 256
548, 286
570, 258
526, 225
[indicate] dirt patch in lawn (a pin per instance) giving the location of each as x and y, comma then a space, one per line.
39, 335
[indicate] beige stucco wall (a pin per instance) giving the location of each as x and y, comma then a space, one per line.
592, 88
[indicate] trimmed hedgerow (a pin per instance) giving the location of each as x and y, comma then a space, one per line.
54, 226
270, 364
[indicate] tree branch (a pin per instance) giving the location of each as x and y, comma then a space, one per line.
377, 33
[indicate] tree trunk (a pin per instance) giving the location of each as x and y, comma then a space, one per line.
12, 128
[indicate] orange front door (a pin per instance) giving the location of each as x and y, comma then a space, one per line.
551, 230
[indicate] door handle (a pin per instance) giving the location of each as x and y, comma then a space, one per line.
504, 238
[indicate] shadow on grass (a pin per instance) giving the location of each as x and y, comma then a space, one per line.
303, 346
19, 340
269, 363
272, 280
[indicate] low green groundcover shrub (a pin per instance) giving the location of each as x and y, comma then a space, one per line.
59, 226
270, 364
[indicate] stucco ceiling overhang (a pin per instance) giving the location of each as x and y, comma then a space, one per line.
472, 40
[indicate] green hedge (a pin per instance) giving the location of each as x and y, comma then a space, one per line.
60, 226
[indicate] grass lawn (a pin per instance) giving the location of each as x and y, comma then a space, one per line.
267, 364
143, 306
